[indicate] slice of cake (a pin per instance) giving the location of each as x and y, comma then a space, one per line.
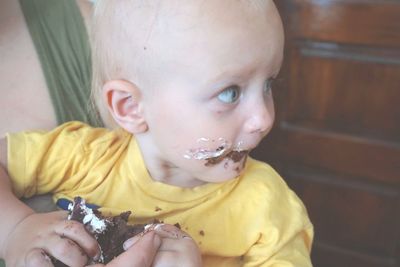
110, 232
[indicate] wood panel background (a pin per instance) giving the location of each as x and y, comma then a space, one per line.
337, 135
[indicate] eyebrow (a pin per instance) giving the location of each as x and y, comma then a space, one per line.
237, 74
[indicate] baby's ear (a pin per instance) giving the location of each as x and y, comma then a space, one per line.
124, 101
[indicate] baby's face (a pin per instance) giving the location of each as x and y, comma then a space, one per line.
213, 101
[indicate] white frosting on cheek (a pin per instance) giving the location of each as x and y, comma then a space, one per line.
203, 153
211, 149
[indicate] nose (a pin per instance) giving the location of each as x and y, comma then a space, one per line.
261, 117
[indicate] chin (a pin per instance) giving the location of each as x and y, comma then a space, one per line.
221, 168
225, 172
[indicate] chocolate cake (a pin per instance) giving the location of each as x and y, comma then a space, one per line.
110, 232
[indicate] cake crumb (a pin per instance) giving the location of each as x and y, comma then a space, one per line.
201, 232
158, 209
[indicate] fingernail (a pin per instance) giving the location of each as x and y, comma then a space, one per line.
166, 230
131, 241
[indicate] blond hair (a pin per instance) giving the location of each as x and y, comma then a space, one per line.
118, 49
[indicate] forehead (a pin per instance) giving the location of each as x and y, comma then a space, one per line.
219, 34
174, 37
200, 20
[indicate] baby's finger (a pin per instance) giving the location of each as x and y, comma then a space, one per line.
174, 251
139, 254
170, 231
183, 244
76, 232
177, 247
66, 251
37, 258
167, 259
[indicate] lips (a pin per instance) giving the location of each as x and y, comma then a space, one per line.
205, 154
225, 151
233, 155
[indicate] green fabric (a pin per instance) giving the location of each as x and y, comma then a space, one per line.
61, 41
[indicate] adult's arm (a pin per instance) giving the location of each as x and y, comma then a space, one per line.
26, 102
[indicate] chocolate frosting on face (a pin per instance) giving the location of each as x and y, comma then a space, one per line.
233, 155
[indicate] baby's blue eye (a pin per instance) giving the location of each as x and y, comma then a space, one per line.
268, 85
230, 94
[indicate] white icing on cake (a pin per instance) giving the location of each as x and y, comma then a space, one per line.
97, 225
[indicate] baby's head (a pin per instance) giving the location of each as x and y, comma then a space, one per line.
191, 79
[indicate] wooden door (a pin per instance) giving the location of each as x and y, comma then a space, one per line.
337, 135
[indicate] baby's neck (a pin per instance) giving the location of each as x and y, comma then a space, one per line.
163, 171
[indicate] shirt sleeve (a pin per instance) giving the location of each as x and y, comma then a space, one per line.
287, 236
42, 162
292, 253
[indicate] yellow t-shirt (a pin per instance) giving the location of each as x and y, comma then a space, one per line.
252, 220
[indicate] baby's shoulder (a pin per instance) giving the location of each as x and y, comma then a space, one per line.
260, 183
263, 175
88, 136
264, 189
71, 138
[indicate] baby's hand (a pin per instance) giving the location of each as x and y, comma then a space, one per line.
163, 246
140, 253
177, 248
41, 235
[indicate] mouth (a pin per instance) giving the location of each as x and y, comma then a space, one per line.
225, 151
206, 154
234, 155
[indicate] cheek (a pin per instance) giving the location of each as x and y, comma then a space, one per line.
180, 131
271, 106
173, 129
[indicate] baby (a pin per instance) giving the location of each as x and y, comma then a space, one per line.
187, 87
